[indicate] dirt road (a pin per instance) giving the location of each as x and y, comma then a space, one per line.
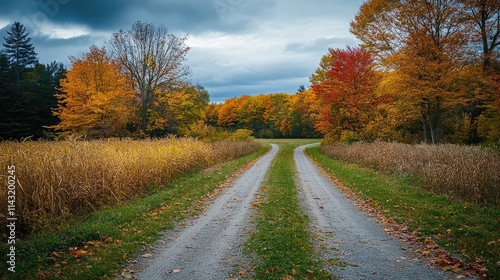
359, 247
208, 247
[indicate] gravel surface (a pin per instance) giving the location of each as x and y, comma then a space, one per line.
209, 246
358, 246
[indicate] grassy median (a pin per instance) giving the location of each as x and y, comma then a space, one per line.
281, 245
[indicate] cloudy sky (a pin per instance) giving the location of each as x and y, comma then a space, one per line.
237, 46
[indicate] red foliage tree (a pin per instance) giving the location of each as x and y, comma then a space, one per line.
347, 95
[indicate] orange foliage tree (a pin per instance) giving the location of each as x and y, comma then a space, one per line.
96, 99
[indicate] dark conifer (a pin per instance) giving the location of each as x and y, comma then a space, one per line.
18, 49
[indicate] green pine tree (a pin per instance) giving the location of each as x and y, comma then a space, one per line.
18, 49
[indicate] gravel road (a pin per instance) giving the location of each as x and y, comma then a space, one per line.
359, 246
209, 246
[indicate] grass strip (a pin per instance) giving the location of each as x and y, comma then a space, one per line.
281, 246
97, 246
463, 229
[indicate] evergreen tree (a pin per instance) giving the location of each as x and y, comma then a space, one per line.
12, 104
27, 88
20, 53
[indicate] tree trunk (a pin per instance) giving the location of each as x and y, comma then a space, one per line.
473, 125
436, 121
144, 109
426, 136
431, 123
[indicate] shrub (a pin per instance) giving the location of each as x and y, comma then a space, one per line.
242, 135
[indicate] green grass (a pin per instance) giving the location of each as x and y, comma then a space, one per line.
281, 245
115, 234
464, 229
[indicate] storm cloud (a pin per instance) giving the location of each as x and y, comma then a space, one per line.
237, 46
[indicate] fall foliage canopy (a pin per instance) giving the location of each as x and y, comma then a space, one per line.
96, 99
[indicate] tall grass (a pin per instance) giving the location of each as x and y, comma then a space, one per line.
56, 180
465, 172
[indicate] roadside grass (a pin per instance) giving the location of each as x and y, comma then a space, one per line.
464, 229
467, 173
99, 245
281, 245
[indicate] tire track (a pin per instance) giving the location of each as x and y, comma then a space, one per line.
362, 250
207, 248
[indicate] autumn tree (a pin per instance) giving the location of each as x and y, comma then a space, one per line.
153, 58
424, 43
303, 112
176, 109
484, 18
347, 95
252, 115
279, 115
96, 99
212, 114
228, 113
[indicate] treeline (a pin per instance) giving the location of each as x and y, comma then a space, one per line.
268, 115
425, 71
142, 90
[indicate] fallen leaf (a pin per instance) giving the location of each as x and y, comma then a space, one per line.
243, 272
77, 253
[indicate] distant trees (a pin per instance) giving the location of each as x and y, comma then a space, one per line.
426, 71
268, 115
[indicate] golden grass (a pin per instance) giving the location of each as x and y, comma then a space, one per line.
466, 172
56, 180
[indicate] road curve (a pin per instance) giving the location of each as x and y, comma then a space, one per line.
204, 249
362, 249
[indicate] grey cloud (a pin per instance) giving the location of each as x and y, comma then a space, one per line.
299, 33
321, 44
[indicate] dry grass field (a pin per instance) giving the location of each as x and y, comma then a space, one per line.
55, 180
466, 172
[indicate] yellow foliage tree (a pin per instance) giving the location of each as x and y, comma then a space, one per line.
176, 109
96, 99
